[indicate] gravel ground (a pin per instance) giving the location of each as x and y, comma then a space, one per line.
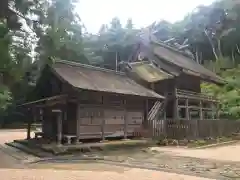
223, 153
218, 163
50, 174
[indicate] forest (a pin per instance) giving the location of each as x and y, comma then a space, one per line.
36, 32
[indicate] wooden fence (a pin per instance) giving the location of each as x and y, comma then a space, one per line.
191, 129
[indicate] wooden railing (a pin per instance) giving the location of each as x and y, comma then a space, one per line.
193, 95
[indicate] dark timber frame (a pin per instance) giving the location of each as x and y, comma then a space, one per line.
206, 107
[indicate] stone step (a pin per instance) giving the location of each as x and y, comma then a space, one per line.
14, 152
29, 154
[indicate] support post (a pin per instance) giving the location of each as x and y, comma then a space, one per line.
176, 115
125, 121
201, 110
78, 118
187, 109
33, 113
59, 126
146, 115
152, 86
218, 112
165, 106
29, 128
213, 111
103, 125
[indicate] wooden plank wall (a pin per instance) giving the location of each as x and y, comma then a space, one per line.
93, 121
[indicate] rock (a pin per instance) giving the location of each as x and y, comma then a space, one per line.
192, 169
183, 142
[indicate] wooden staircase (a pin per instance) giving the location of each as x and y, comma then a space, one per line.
155, 111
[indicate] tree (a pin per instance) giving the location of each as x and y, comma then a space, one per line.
12, 54
129, 24
59, 31
112, 45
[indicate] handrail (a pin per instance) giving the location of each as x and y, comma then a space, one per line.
194, 94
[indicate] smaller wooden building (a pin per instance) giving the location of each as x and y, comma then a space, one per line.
174, 74
88, 102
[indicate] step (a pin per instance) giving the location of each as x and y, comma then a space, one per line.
29, 152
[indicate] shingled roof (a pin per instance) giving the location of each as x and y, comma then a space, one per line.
97, 79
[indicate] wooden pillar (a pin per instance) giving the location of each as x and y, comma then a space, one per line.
59, 125
201, 110
32, 118
165, 101
187, 109
152, 86
176, 115
213, 111
146, 114
103, 125
59, 122
125, 121
29, 127
218, 112
78, 123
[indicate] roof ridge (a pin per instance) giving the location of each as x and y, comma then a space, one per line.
172, 48
77, 64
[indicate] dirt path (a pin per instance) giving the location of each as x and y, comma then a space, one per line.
223, 153
13, 166
50, 174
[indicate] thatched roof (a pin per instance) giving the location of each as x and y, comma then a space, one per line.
172, 60
177, 58
97, 79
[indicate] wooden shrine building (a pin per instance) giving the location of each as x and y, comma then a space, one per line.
174, 74
158, 82
83, 101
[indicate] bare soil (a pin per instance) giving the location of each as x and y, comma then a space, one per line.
151, 163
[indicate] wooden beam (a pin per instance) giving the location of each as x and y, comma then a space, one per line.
213, 110
59, 128
218, 112
78, 119
152, 86
125, 121
194, 107
45, 99
29, 128
103, 125
187, 110
176, 115
201, 110
145, 123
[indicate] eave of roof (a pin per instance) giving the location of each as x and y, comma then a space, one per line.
186, 63
98, 79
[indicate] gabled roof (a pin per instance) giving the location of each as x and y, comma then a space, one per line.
167, 55
148, 71
97, 79
186, 63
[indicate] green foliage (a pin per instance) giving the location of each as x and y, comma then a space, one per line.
212, 32
229, 94
112, 42
5, 98
59, 31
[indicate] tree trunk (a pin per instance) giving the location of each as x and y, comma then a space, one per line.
238, 49
233, 57
219, 48
212, 45
197, 56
